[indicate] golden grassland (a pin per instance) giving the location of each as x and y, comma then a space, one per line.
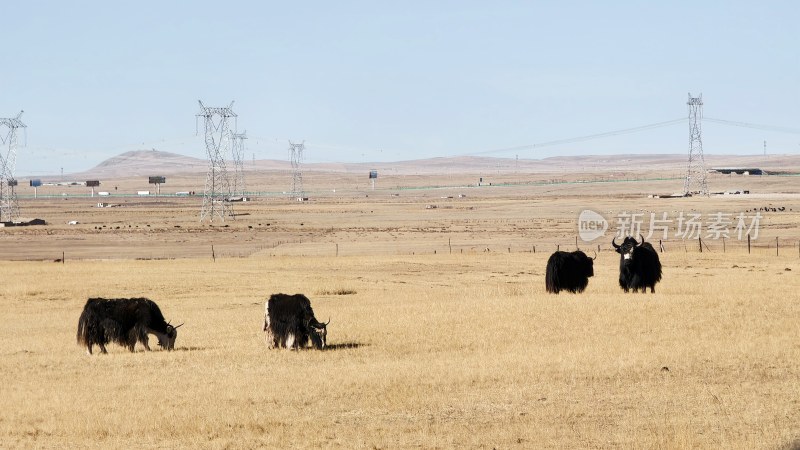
441, 334
430, 351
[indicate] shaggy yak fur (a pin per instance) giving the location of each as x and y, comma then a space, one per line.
125, 321
568, 272
289, 322
639, 266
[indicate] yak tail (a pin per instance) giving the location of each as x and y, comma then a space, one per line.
551, 279
83, 329
94, 330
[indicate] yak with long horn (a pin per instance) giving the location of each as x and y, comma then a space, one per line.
639, 265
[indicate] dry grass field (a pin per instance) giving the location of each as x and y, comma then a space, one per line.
434, 342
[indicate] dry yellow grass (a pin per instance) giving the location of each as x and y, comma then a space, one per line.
431, 351
428, 348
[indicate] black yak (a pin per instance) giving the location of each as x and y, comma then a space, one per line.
125, 321
639, 266
568, 272
289, 322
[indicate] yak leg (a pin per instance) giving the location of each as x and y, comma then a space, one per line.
269, 336
102, 348
144, 338
89, 349
270, 339
291, 344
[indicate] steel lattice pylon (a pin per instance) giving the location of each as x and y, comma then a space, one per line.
296, 158
237, 152
695, 182
218, 137
9, 207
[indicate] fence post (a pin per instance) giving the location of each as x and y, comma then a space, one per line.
558, 247
450, 246
337, 249
748, 243
700, 241
723, 245
576, 243
534, 249
776, 245
661, 246
213, 255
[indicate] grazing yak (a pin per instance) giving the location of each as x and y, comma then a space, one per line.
289, 322
639, 266
125, 321
568, 272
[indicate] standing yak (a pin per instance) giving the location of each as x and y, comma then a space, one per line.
568, 272
289, 322
639, 266
125, 321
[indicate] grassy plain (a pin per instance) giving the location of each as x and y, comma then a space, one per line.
435, 342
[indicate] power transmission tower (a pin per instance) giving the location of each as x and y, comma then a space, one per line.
9, 207
218, 136
238, 154
296, 158
695, 182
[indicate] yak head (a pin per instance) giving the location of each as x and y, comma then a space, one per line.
167, 340
318, 333
626, 248
589, 264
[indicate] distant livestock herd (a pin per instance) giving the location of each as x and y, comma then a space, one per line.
289, 320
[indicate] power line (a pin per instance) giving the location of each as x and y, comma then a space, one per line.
582, 138
754, 126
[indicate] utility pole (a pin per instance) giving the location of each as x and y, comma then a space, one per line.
217, 138
296, 159
9, 207
695, 182
238, 165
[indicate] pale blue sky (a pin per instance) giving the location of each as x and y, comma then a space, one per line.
383, 81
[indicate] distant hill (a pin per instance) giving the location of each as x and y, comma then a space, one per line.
141, 163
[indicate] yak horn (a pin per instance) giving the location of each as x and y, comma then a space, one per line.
640, 235
614, 243
319, 324
177, 326
595, 256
